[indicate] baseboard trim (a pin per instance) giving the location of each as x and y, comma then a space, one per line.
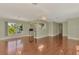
40, 37
54, 34
73, 38
47, 36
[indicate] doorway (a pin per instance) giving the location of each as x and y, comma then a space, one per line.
61, 33
61, 30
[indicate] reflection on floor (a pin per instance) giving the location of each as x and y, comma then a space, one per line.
48, 46
52, 46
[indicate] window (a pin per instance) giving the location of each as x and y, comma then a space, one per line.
14, 28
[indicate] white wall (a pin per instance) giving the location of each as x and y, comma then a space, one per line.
73, 29
54, 29
65, 28
2, 28
3, 25
41, 32
51, 28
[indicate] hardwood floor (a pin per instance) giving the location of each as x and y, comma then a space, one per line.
52, 46
48, 46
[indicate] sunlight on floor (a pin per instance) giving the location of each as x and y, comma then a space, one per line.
40, 47
77, 49
19, 51
61, 51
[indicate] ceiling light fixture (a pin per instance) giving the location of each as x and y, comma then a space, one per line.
34, 3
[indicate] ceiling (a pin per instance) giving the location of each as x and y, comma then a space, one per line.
58, 12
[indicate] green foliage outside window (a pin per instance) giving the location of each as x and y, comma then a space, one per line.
14, 28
